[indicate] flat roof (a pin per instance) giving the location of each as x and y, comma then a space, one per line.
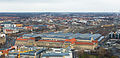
55, 54
65, 35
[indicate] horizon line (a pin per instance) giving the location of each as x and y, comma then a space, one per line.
61, 11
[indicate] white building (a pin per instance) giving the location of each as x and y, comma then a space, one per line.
57, 53
2, 35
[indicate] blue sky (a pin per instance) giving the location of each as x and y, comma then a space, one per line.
59, 5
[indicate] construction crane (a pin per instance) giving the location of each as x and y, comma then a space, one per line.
24, 52
107, 25
5, 51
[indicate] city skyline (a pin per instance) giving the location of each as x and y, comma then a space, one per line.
59, 6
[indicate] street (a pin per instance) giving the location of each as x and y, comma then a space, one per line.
10, 41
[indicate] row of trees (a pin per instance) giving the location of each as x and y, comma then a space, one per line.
100, 53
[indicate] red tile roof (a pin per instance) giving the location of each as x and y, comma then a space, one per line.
4, 51
73, 40
95, 41
84, 43
32, 38
70, 40
8, 30
21, 39
29, 27
0, 26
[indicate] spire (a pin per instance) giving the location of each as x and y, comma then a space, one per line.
92, 36
91, 32
92, 39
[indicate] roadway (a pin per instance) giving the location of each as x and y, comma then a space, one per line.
10, 41
101, 30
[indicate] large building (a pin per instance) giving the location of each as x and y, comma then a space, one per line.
75, 41
57, 53
63, 36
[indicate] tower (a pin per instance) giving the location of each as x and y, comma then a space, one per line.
92, 39
92, 36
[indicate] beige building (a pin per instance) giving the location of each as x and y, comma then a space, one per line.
73, 43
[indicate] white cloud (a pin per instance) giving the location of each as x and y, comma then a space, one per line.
59, 5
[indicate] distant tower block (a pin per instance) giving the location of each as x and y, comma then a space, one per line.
117, 14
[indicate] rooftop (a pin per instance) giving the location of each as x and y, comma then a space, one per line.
55, 54
27, 51
65, 35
